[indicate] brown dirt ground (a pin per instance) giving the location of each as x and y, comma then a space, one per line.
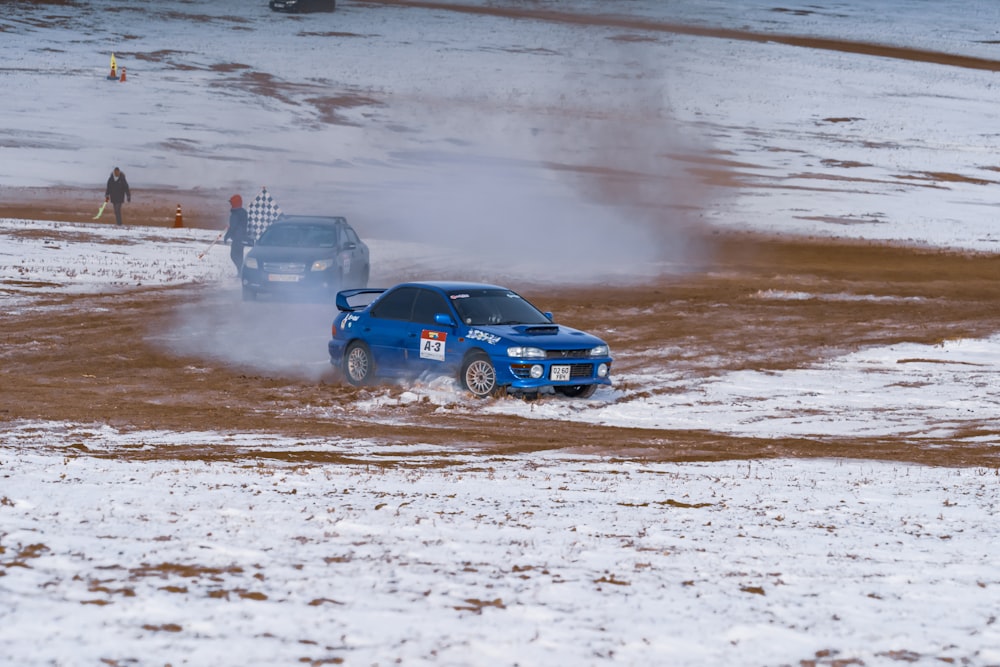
76, 368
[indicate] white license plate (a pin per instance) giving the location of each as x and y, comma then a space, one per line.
282, 278
559, 373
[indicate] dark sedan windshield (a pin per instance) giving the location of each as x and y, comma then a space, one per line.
480, 307
287, 235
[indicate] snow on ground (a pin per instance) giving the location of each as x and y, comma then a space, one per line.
529, 559
459, 558
486, 561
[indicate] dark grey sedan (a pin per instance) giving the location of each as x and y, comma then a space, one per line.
305, 257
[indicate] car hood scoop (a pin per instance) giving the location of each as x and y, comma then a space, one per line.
538, 329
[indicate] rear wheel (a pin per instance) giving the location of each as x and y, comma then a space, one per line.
577, 390
359, 367
480, 377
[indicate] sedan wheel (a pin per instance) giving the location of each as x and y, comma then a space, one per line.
479, 376
358, 365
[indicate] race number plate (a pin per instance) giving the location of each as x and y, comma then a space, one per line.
432, 344
282, 278
559, 373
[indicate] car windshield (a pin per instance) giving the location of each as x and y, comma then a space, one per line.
289, 235
480, 307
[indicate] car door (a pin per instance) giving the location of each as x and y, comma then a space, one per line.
388, 329
428, 343
352, 255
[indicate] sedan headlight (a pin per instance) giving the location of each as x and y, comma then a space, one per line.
322, 264
250, 262
521, 352
600, 351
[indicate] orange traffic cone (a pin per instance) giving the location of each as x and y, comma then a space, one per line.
122, 80
178, 219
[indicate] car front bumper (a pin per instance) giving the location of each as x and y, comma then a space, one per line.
316, 284
518, 373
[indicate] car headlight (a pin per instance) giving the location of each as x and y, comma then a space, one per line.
250, 262
600, 351
322, 264
521, 352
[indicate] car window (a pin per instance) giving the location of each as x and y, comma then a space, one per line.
395, 305
281, 235
322, 237
495, 306
427, 305
299, 236
352, 236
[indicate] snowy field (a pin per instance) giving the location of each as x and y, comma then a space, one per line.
511, 561
368, 553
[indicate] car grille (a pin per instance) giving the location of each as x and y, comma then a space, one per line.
567, 354
576, 371
284, 267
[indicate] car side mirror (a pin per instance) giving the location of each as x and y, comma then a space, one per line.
548, 315
350, 245
444, 320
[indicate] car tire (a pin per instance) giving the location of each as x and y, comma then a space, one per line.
249, 294
480, 377
577, 390
359, 367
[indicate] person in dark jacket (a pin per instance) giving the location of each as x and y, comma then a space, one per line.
117, 192
237, 232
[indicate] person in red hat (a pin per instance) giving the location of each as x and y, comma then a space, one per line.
237, 231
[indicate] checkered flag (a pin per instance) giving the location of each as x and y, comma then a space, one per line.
261, 212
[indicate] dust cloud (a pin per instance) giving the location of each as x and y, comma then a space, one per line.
279, 339
603, 194
564, 187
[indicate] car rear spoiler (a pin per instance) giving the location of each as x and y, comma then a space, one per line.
349, 300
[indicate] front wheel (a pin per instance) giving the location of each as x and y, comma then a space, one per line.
480, 377
577, 390
249, 294
359, 367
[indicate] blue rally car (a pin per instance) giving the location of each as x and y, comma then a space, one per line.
490, 337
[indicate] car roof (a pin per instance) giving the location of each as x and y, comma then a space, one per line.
450, 285
332, 220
